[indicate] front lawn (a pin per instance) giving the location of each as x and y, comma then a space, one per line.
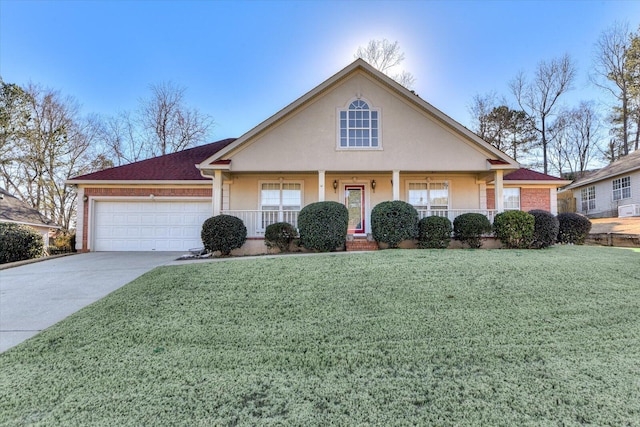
398, 337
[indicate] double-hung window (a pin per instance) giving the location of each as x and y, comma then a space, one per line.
511, 198
588, 198
280, 202
622, 188
430, 196
359, 127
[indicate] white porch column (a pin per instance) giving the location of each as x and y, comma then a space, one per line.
321, 186
498, 191
216, 193
483, 195
396, 185
553, 200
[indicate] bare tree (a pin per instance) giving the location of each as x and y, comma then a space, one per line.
539, 97
609, 72
481, 106
632, 68
576, 139
384, 56
162, 124
121, 136
169, 125
14, 118
509, 130
55, 144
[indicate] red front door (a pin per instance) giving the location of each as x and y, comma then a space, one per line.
354, 201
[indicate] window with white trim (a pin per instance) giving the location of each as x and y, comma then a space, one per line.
280, 202
622, 188
429, 195
511, 199
359, 126
588, 198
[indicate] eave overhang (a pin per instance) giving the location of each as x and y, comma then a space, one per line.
32, 224
86, 182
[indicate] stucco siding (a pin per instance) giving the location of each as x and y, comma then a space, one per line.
410, 139
244, 189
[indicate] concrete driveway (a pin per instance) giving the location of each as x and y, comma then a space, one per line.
38, 295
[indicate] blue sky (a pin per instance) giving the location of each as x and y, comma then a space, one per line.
242, 61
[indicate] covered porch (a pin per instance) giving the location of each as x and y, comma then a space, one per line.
266, 198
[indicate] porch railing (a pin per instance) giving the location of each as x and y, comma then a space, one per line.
257, 221
453, 213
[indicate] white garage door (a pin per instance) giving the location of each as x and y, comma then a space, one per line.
149, 225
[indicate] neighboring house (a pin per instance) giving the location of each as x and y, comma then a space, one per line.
359, 138
603, 193
17, 211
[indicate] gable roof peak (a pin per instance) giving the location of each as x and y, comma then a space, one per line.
360, 64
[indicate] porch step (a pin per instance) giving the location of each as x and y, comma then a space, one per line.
361, 245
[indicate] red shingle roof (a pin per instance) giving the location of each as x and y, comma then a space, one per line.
497, 162
180, 166
529, 175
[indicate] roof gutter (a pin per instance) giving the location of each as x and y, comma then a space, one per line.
31, 224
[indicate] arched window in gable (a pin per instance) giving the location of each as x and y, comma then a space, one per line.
359, 126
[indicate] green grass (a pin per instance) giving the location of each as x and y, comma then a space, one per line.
414, 337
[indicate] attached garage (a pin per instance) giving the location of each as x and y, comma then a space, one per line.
148, 225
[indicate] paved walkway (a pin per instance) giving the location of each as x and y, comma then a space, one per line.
38, 295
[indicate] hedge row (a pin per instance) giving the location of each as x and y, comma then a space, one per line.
393, 222
323, 227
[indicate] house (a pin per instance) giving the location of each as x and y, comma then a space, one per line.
610, 191
14, 210
359, 138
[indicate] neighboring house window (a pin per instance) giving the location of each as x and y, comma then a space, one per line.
281, 198
588, 197
622, 188
429, 195
511, 198
359, 126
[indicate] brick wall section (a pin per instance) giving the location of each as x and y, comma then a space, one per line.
135, 192
530, 198
361, 245
491, 198
535, 198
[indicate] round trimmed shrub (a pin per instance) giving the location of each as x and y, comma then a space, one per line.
19, 242
574, 228
514, 229
545, 231
469, 228
223, 233
434, 232
280, 235
394, 221
323, 226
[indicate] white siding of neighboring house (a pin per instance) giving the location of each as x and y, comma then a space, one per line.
605, 205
